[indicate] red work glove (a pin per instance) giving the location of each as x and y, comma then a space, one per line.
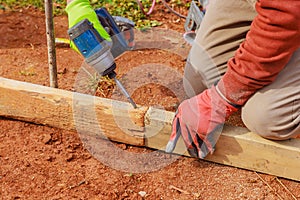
199, 121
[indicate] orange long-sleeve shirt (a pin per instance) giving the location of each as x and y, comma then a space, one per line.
273, 37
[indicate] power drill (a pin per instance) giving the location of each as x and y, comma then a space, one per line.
96, 50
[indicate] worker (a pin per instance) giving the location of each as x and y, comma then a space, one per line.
245, 56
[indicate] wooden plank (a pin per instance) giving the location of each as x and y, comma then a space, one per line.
72, 111
151, 127
236, 147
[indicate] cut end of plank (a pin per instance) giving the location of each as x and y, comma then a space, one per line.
137, 116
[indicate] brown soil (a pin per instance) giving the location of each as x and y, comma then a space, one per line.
40, 162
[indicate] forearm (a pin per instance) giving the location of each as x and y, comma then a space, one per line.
273, 37
69, 1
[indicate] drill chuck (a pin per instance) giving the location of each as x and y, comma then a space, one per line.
102, 61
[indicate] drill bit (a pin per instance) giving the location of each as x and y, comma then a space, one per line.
123, 90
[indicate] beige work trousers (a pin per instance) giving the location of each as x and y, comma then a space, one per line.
273, 111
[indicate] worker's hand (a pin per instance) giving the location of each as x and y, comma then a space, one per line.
199, 121
81, 9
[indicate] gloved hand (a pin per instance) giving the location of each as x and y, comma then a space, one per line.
199, 121
81, 9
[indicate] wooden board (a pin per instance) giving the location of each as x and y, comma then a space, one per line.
148, 127
72, 111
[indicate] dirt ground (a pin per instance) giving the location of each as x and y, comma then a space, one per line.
40, 162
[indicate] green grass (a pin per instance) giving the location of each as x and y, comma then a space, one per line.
124, 8
59, 5
128, 9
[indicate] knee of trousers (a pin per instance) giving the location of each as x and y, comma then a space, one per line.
192, 81
264, 119
201, 72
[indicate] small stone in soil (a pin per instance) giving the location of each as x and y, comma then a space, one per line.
142, 193
46, 138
